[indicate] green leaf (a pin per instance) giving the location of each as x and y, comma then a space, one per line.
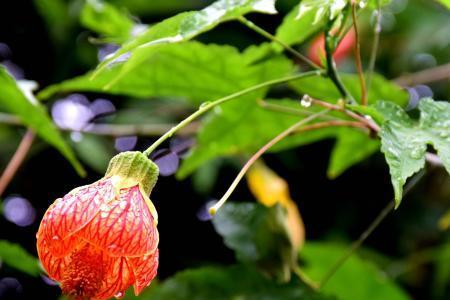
404, 141
355, 279
446, 3
224, 283
107, 20
258, 235
352, 146
295, 30
57, 18
323, 88
16, 257
324, 9
189, 70
183, 27
33, 115
242, 128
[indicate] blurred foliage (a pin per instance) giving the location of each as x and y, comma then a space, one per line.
142, 56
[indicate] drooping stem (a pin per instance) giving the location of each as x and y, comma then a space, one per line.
209, 105
373, 225
273, 38
258, 154
358, 56
16, 160
375, 44
331, 66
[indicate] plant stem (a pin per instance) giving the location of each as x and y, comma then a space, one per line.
258, 154
290, 110
209, 105
331, 66
16, 160
333, 123
358, 56
375, 44
273, 38
356, 244
426, 76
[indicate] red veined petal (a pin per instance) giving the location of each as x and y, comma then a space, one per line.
53, 266
71, 213
118, 277
124, 226
144, 269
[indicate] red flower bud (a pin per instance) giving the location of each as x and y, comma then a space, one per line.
101, 238
317, 49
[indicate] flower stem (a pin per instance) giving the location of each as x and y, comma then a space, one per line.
273, 38
375, 44
209, 105
358, 56
331, 66
258, 154
16, 160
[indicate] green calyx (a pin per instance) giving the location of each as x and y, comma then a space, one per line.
135, 166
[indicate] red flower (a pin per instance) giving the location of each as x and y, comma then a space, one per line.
100, 239
317, 49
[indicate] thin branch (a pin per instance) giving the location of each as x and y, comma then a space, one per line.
209, 105
290, 110
16, 160
375, 45
258, 154
426, 76
331, 66
356, 244
273, 38
334, 123
358, 56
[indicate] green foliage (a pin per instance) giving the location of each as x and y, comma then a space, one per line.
352, 146
404, 141
356, 279
323, 88
324, 9
15, 101
258, 235
295, 30
446, 3
242, 127
106, 20
56, 17
94, 152
219, 71
225, 283
16, 257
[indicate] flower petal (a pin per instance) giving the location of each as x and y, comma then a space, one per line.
71, 213
124, 226
53, 265
144, 269
118, 278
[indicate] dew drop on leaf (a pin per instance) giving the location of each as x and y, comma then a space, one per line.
416, 153
306, 101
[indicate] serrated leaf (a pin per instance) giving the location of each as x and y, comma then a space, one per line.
295, 30
34, 116
16, 257
183, 27
106, 20
370, 283
323, 88
404, 141
352, 146
242, 127
258, 235
189, 70
225, 283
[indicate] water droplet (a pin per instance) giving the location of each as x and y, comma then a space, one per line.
55, 237
368, 117
119, 295
204, 104
416, 153
306, 101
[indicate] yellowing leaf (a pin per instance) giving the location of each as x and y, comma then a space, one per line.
270, 189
